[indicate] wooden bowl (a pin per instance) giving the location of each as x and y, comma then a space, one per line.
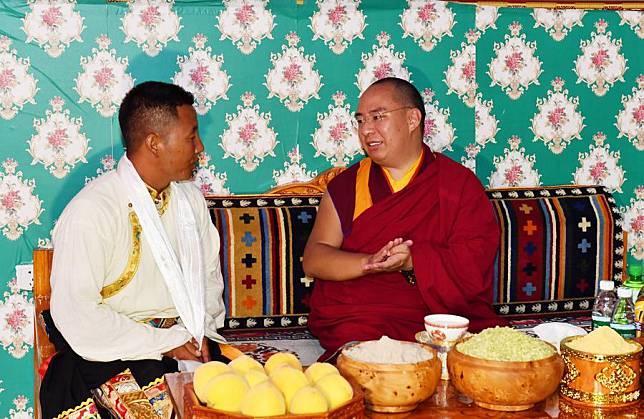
600, 380
504, 385
393, 388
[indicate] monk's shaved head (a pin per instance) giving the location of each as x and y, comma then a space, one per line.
405, 94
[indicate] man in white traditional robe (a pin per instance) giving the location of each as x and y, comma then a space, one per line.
136, 280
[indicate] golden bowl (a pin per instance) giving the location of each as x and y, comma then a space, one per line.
393, 388
504, 385
600, 380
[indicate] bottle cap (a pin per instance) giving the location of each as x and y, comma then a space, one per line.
606, 285
623, 292
635, 270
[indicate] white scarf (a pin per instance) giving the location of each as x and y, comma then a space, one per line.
184, 276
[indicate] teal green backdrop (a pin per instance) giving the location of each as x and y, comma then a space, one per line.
522, 97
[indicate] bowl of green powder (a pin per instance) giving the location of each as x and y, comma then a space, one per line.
505, 369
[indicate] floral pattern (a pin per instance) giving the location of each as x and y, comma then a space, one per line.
246, 23
486, 126
338, 23
460, 77
600, 166
427, 21
294, 171
601, 64
248, 138
558, 23
16, 321
382, 62
151, 24
208, 180
634, 19
634, 223
201, 74
103, 80
514, 169
630, 120
515, 66
337, 137
17, 85
438, 133
53, 25
59, 143
18, 206
293, 79
557, 122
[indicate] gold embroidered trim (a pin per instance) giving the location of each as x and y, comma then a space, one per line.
132, 263
154, 383
81, 406
160, 199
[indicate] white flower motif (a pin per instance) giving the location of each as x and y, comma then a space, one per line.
103, 81
438, 133
515, 66
151, 24
18, 206
295, 171
486, 17
338, 23
634, 223
17, 85
337, 138
427, 22
59, 143
601, 63
514, 168
293, 78
16, 323
53, 25
460, 76
634, 19
207, 180
248, 138
630, 120
382, 62
600, 166
558, 23
201, 74
486, 126
246, 23
557, 122
108, 164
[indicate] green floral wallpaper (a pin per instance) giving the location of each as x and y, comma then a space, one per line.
523, 97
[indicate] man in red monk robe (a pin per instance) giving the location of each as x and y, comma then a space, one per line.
401, 234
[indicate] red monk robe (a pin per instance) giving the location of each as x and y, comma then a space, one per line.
445, 211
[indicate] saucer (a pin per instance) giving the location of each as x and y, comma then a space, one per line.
423, 337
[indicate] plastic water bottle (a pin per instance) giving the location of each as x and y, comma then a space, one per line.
623, 320
635, 281
604, 304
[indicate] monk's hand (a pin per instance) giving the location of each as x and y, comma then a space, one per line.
187, 351
393, 256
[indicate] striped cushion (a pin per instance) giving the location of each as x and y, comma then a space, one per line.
556, 245
262, 242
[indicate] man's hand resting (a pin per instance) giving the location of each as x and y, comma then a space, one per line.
190, 351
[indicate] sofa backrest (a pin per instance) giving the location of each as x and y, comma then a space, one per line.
556, 244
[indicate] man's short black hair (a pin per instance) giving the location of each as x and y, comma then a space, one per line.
150, 107
407, 95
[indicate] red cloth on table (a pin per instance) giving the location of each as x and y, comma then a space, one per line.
445, 211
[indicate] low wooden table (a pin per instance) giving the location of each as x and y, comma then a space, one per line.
446, 403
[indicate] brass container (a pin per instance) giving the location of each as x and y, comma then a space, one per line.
600, 380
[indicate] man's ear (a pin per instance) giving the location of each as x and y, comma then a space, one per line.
413, 119
152, 142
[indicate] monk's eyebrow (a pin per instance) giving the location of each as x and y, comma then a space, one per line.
378, 109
